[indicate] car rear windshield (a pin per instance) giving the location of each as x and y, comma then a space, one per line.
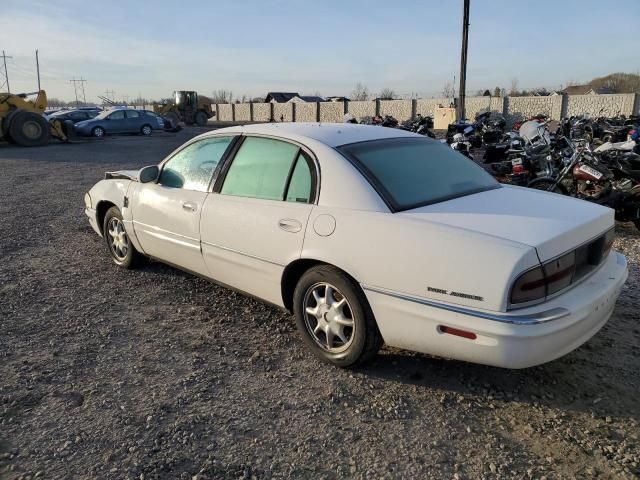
414, 172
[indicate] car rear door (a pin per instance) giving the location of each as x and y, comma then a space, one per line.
134, 121
253, 224
166, 214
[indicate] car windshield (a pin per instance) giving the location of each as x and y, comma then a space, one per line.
414, 172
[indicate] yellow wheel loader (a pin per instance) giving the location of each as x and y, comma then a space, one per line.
22, 120
186, 106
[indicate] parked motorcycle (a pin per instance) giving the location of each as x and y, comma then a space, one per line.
421, 125
615, 185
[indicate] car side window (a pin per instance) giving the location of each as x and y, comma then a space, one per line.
193, 166
117, 115
260, 169
300, 184
132, 114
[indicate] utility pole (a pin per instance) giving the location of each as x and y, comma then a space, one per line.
110, 94
463, 60
38, 69
75, 82
6, 73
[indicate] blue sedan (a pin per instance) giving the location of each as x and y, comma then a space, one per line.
120, 121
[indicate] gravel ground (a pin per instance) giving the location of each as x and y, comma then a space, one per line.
114, 374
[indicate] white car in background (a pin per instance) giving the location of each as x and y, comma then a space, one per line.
372, 235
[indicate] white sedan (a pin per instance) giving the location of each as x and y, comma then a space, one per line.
372, 235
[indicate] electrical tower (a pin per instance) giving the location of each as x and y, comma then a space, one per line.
6, 73
75, 82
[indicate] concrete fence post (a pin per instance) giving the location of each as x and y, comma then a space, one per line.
251, 111
233, 112
378, 107
345, 106
271, 112
564, 107
293, 111
318, 112
414, 108
217, 113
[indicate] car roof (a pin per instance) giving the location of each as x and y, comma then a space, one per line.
331, 134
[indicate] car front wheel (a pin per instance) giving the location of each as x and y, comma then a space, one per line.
122, 251
146, 130
97, 132
334, 317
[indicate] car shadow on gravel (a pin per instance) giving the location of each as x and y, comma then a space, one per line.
569, 383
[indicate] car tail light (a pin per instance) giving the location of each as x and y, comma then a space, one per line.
529, 286
557, 274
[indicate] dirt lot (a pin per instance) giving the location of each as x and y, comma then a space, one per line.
106, 373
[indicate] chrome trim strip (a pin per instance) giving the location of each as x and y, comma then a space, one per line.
175, 241
158, 229
522, 319
242, 253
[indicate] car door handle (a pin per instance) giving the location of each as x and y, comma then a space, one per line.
189, 206
290, 225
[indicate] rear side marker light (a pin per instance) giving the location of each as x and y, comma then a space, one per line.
457, 332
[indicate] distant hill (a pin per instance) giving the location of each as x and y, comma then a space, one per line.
618, 82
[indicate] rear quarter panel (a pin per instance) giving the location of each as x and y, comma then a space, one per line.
408, 256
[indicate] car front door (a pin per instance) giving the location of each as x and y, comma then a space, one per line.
116, 122
166, 214
253, 224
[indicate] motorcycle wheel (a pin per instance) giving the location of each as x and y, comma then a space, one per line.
547, 184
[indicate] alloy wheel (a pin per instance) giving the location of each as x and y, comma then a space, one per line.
118, 240
329, 317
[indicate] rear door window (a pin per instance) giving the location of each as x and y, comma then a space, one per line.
260, 169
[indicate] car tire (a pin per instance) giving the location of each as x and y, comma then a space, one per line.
122, 251
98, 132
146, 130
201, 118
342, 330
29, 129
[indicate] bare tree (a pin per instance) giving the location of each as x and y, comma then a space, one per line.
222, 96
360, 92
497, 92
387, 94
448, 90
514, 87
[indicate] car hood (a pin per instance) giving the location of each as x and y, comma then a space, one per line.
549, 222
83, 123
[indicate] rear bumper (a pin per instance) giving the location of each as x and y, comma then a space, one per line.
525, 338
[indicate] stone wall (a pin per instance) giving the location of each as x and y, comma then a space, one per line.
243, 112
596, 105
261, 112
331, 112
398, 109
224, 112
362, 110
513, 108
283, 112
306, 112
426, 106
521, 108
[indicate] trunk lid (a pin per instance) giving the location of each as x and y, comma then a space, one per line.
551, 223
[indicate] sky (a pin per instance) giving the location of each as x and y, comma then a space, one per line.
250, 47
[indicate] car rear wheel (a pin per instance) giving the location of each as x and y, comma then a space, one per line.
98, 132
122, 251
334, 317
146, 130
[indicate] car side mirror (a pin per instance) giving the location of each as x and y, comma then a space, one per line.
149, 174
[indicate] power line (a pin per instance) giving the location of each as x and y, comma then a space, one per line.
6, 73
